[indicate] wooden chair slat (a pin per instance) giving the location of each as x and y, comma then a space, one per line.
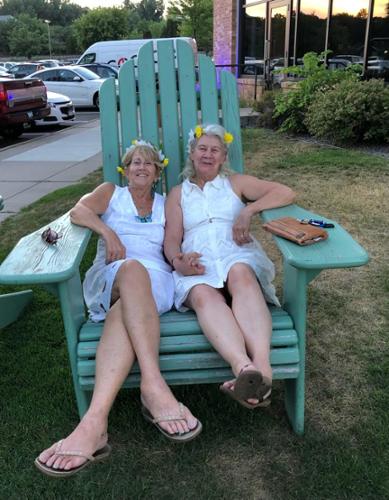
231, 118
187, 89
109, 131
187, 377
196, 361
128, 105
169, 111
175, 323
190, 343
208, 91
148, 94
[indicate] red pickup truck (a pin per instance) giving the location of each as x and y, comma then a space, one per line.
21, 103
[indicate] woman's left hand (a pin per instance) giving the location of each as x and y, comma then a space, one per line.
241, 228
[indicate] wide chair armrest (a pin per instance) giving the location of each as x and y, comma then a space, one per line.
339, 250
33, 261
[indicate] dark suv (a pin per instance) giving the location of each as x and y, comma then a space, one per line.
102, 70
24, 69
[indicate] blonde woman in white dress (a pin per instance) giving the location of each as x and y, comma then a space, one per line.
220, 270
129, 285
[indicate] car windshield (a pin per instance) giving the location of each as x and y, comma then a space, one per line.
87, 74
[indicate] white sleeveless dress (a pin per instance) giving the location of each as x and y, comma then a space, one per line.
143, 242
208, 217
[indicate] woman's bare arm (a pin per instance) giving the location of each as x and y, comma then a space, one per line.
188, 263
261, 195
87, 211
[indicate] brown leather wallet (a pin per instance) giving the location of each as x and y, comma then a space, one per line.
293, 230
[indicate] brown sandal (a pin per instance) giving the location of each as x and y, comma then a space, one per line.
250, 384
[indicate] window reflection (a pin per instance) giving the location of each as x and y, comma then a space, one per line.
347, 32
311, 30
253, 40
378, 60
277, 34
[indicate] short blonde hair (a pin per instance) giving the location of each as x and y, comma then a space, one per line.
211, 130
148, 153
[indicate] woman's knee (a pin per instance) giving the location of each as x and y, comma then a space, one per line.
132, 272
241, 275
202, 296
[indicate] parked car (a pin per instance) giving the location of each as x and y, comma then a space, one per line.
337, 63
348, 57
49, 63
6, 65
102, 70
61, 110
21, 103
254, 66
80, 84
4, 73
378, 68
25, 69
378, 63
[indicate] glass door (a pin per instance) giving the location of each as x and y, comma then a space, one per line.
278, 34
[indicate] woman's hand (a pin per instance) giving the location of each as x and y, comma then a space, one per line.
188, 263
241, 228
115, 250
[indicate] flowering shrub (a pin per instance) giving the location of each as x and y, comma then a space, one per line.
291, 106
352, 111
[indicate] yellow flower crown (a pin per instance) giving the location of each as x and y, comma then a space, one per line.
199, 131
140, 142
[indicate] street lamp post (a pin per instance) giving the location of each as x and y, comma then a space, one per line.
48, 32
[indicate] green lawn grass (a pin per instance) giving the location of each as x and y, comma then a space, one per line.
241, 454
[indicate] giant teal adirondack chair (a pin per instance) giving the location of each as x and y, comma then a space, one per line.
165, 111
12, 304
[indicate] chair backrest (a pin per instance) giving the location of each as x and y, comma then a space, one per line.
162, 101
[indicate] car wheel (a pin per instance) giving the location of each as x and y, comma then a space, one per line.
12, 132
96, 100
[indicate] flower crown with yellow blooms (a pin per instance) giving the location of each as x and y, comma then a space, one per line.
140, 142
199, 131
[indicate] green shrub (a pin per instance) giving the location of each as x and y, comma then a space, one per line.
265, 108
291, 106
352, 111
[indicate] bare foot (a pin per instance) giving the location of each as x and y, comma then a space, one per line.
160, 401
89, 436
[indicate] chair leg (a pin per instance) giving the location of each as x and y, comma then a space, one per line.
83, 400
294, 403
12, 305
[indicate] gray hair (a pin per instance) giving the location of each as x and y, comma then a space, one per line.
211, 130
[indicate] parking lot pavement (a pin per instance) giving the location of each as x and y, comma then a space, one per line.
31, 169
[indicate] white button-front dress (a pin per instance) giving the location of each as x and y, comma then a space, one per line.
208, 217
143, 242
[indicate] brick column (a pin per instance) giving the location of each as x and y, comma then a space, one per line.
224, 31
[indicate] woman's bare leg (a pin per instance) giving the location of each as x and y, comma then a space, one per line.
252, 315
241, 334
114, 359
141, 320
219, 325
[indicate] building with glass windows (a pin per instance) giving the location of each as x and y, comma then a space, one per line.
257, 36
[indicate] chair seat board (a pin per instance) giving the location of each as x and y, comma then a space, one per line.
205, 376
197, 360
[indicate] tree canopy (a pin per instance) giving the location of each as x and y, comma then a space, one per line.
195, 19
104, 23
73, 28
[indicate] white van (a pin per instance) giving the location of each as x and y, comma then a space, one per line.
117, 52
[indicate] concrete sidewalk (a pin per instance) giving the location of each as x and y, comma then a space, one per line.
39, 166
